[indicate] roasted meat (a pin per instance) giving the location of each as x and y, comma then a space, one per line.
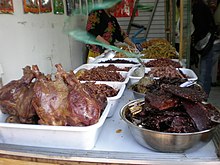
60, 100
50, 99
16, 97
83, 107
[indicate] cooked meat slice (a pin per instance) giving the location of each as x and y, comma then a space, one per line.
187, 93
198, 113
161, 102
83, 108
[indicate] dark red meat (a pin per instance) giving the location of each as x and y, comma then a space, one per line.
161, 102
83, 107
186, 93
50, 99
198, 113
16, 97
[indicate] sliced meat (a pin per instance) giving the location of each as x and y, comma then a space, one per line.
161, 102
186, 93
198, 113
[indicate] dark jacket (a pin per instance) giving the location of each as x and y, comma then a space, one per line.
203, 20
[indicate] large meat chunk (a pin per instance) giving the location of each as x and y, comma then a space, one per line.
50, 99
84, 108
16, 97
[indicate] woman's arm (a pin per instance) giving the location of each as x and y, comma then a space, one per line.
129, 42
101, 39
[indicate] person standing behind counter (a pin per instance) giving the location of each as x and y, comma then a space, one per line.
105, 27
204, 22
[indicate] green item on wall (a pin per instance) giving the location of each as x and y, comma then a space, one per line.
58, 7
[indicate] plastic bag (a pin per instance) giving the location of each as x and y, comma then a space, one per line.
6, 6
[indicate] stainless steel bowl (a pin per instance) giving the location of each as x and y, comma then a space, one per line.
166, 142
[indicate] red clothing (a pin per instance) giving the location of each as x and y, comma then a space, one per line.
100, 23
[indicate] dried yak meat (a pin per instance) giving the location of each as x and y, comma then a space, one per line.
175, 109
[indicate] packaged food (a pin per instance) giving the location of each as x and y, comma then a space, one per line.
31, 6
58, 7
45, 6
6, 6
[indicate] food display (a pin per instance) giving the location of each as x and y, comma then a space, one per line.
123, 61
96, 75
158, 48
104, 72
154, 41
160, 51
78, 102
162, 62
173, 109
134, 115
62, 101
100, 89
168, 71
147, 84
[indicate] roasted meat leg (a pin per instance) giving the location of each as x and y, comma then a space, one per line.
16, 97
84, 109
50, 99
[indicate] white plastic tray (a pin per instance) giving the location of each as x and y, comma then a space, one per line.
188, 72
123, 73
71, 137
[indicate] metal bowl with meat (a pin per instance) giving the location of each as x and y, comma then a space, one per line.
174, 120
